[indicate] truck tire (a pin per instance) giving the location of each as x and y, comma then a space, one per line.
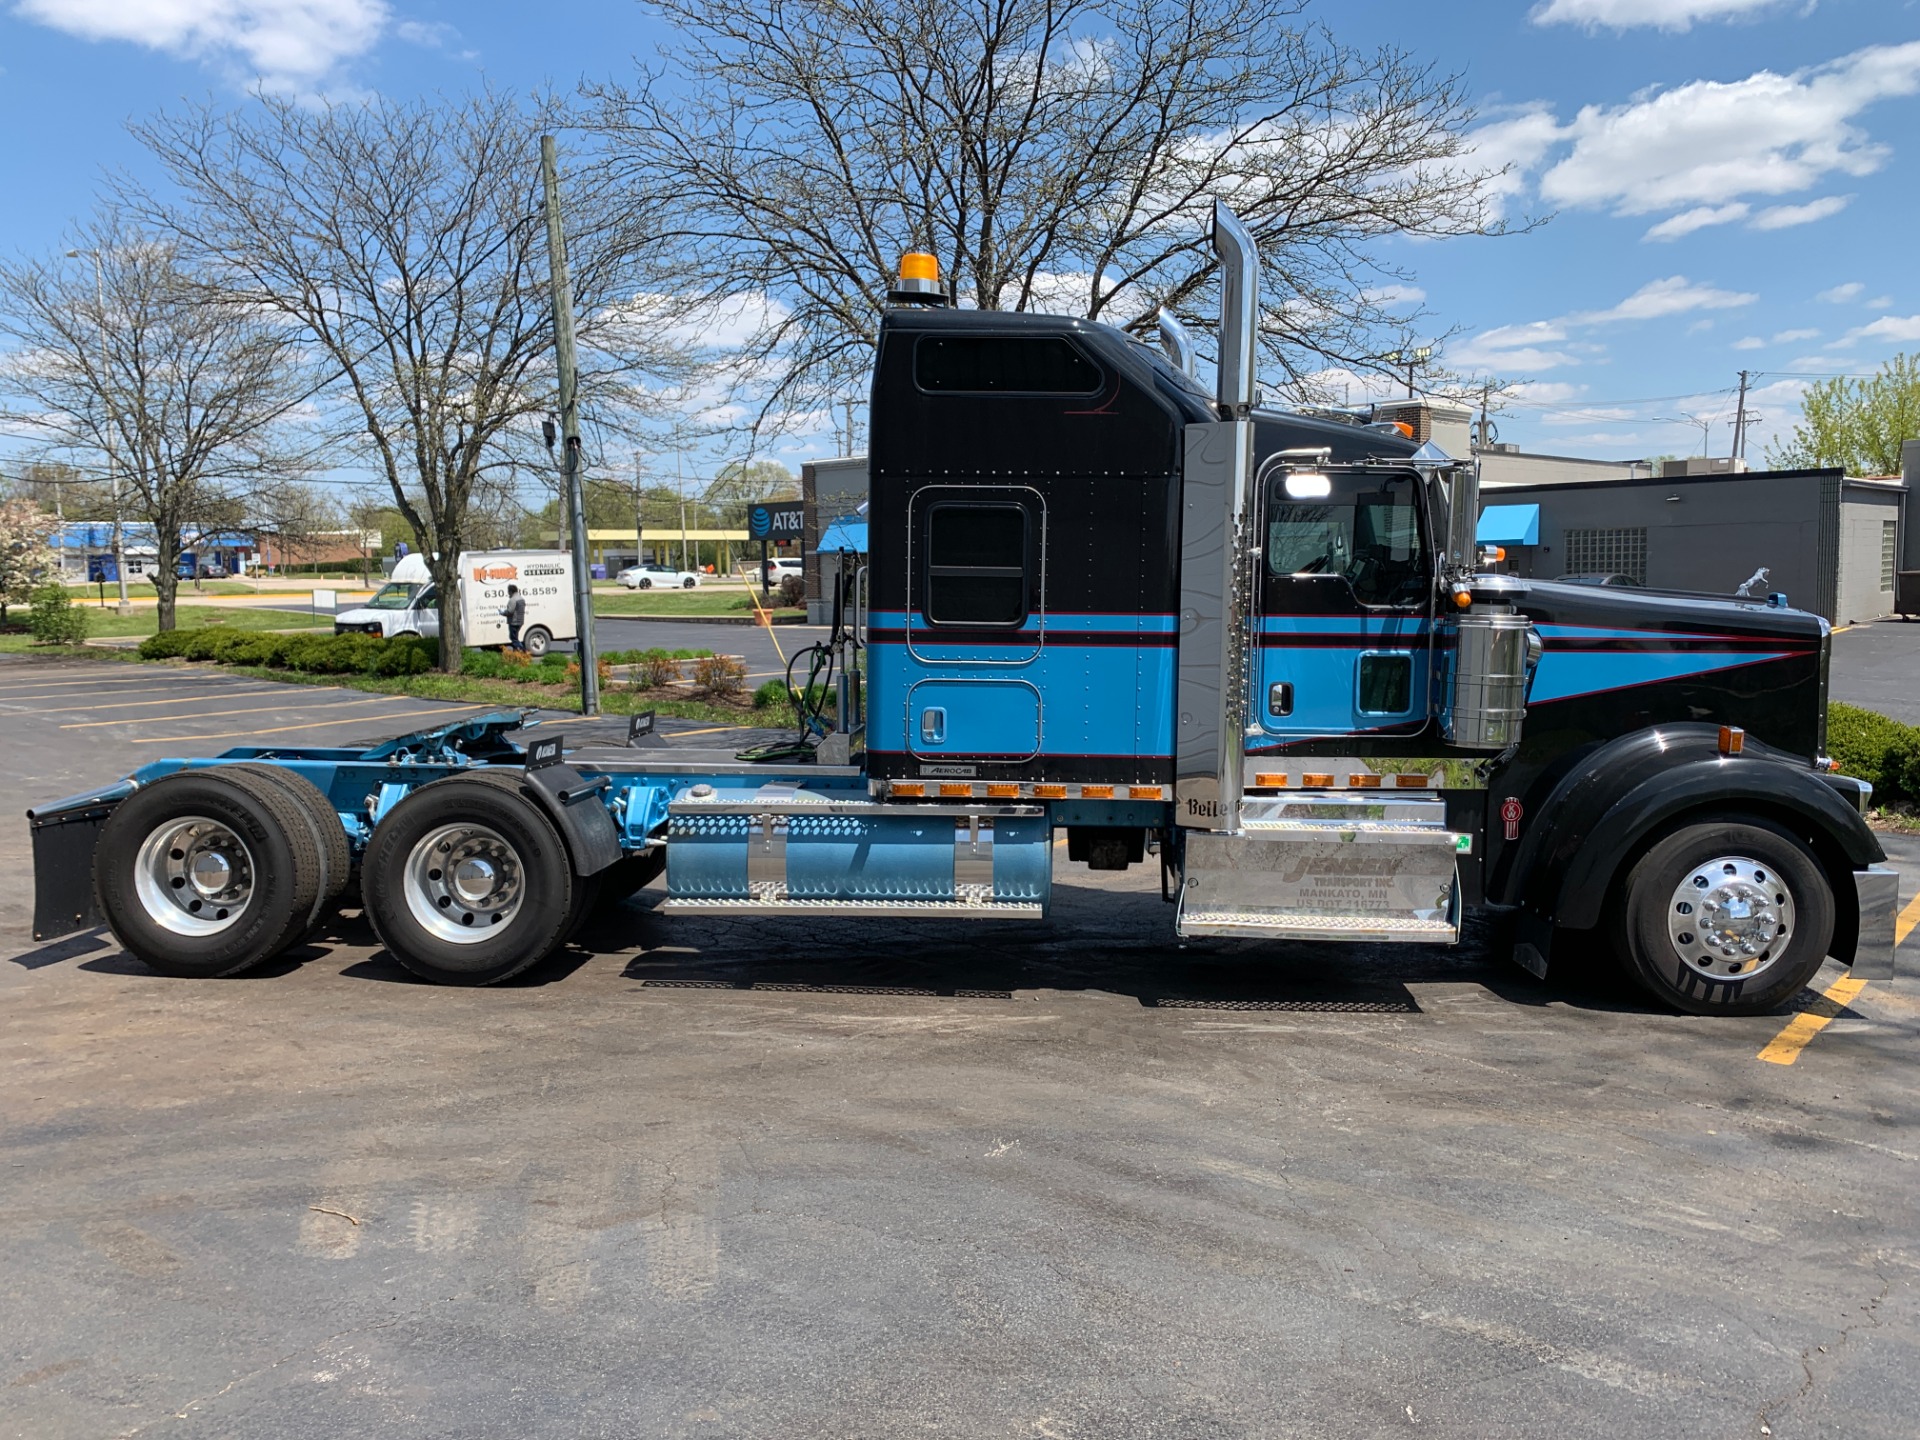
328, 833
537, 641
466, 882
587, 889
201, 875
1726, 916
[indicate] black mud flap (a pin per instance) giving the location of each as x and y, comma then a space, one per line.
64, 837
574, 804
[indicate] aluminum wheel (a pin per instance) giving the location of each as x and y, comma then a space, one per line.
1730, 916
194, 876
464, 882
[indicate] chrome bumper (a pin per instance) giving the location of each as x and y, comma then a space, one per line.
1877, 890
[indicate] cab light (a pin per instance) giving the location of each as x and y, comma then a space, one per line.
1269, 780
1463, 598
909, 789
1732, 739
1003, 792
918, 265
956, 792
1096, 792
1049, 792
1316, 782
1364, 782
1146, 792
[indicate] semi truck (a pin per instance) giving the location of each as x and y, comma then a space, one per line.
409, 603
1258, 649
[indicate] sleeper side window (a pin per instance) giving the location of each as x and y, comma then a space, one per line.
1004, 365
977, 564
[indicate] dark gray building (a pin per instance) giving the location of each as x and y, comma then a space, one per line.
1830, 543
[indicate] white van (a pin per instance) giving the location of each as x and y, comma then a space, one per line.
408, 604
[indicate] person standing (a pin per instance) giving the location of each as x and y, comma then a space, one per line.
516, 613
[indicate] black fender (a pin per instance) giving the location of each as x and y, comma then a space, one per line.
1594, 821
574, 805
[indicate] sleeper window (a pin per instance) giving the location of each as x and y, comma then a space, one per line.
976, 564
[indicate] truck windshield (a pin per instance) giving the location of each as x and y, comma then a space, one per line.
1366, 533
393, 597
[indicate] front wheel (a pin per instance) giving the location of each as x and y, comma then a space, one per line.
688, 583
646, 584
1726, 917
537, 641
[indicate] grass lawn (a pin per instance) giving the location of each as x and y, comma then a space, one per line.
139, 590
679, 602
189, 617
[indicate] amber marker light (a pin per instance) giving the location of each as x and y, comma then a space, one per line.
1316, 782
909, 789
956, 792
1003, 792
1146, 792
1269, 780
1096, 792
1732, 739
1049, 792
1364, 782
1463, 598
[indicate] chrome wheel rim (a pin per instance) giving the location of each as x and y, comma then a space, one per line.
1730, 917
464, 883
194, 876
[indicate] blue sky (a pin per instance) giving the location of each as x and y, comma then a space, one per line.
1733, 183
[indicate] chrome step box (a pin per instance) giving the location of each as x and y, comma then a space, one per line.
1339, 866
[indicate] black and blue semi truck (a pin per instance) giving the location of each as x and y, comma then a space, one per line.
1259, 649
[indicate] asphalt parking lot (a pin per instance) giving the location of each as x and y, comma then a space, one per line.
1878, 666
1059, 1179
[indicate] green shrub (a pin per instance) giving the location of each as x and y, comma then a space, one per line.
772, 695
1875, 748
482, 664
720, 674
167, 645
654, 668
254, 649
200, 644
54, 619
408, 656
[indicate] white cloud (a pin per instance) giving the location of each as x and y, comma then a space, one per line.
1517, 144
1626, 14
1749, 342
1840, 294
1675, 295
1781, 217
1391, 295
1879, 302
1698, 218
1709, 142
1599, 416
1604, 437
1510, 348
1787, 337
1899, 329
287, 43
1544, 392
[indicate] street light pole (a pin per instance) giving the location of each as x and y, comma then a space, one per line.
113, 422
568, 365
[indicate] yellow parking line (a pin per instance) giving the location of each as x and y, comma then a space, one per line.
312, 725
137, 677
215, 714
177, 700
680, 734
1795, 1035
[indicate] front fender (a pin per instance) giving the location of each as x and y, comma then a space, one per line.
1593, 823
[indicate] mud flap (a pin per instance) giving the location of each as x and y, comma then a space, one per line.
63, 845
1877, 891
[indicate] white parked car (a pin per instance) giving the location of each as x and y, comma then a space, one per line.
657, 577
778, 570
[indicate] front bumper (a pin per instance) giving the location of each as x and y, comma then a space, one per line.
1877, 890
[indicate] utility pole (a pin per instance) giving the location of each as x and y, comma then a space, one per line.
639, 518
1740, 422
568, 364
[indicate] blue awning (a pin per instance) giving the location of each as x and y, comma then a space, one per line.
844, 535
1509, 525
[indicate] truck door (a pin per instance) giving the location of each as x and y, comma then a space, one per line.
424, 616
1342, 620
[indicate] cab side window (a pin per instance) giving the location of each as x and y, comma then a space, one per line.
977, 564
1368, 537
1004, 365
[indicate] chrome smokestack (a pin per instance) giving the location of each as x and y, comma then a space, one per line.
1176, 342
1239, 310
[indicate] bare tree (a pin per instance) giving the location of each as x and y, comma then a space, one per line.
404, 240
1052, 154
126, 359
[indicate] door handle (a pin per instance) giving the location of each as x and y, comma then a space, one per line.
933, 725
1280, 698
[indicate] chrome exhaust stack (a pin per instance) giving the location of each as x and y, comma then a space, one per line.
1210, 731
1239, 312
1176, 342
